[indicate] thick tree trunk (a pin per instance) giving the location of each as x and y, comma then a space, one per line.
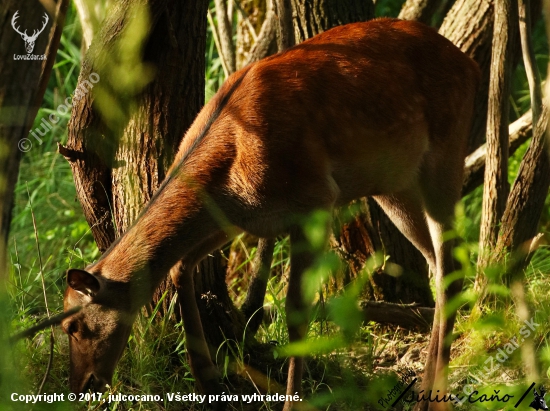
496, 170
22, 87
118, 165
118, 162
469, 25
313, 17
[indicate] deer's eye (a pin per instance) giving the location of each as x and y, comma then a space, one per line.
71, 328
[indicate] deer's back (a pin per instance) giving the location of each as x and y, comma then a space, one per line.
351, 112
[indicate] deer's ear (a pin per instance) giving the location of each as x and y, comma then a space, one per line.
83, 282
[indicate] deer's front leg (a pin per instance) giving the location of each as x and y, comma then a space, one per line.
203, 369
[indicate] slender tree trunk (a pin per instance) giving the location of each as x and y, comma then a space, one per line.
22, 87
283, 11
225, 31
251, 16
496, 170
524, 207
526, 200
419, 10
519, 131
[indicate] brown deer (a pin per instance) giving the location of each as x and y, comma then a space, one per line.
379, 109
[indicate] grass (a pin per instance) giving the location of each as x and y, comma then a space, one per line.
346, 371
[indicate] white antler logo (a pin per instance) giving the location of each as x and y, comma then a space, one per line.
29, 40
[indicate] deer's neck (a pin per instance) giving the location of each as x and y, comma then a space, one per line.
169, 226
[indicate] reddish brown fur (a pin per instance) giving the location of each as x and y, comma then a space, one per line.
380, 108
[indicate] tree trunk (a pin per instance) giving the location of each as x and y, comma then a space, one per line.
524, 207
119, 163
526, 200
496, 170
22, 87
313, 17
283, 11
469, 25
225, 33
251, 15
419, 10
519, 131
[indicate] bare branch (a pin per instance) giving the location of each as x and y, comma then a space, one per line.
267, 36
245, 18
223, 59
519, 131
53, 320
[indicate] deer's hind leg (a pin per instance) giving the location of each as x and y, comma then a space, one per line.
407, 209
441, 186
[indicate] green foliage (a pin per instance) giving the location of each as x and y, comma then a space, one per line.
388, 8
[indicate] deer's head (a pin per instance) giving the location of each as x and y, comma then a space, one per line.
539, 403
99, 332
29, 40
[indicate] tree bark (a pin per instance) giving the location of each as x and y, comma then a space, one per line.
225, 31
496, 170
251, 18
313, 17
519, 131
286, 37
22, 87
469, 25
267, 39
524, 207
419, 10
526, 200
118, 165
